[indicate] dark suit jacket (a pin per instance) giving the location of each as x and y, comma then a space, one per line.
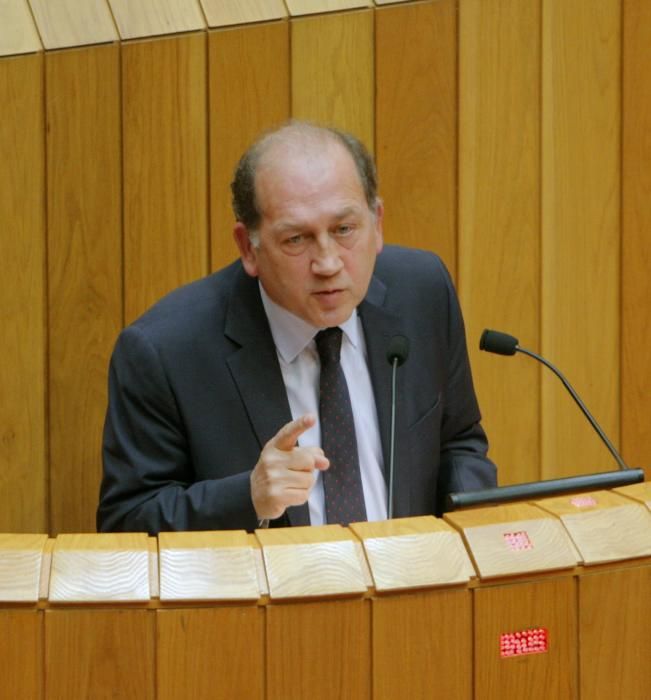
195, 391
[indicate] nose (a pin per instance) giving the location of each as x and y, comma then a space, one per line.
326, 261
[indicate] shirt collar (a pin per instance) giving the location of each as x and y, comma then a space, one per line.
292, 334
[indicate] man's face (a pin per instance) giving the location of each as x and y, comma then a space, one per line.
318, 238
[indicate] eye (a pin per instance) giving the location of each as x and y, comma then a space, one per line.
294, 240
344, 229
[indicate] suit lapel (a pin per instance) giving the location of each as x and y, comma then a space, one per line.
380, 325
255, 369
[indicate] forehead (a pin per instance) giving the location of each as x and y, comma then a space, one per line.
295, 174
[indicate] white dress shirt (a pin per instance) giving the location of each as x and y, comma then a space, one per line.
300, 366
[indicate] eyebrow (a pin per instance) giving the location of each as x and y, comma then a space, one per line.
286, 226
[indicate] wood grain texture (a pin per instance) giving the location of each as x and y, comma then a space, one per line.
499, 218
332, 71
548, 547
422, 646
207, 566
636, 234
249, 93
638, 492
315, 569
580, 230
310, 7
414, 552
97, 568
222, 13
99, 654
156, 17
615, 628
20, 567
512, 608
611, 534
21, 651
165, 167
210, 654
17, 30
332, 640
23, 496
582, 503
66, 23
416, 129
84, 270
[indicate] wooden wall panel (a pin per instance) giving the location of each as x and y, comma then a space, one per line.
499, 225
214, 654
502, 609
99, 654
580, 230
636, 235
332, 639
332, 71
23, 466
416, 124
165, 167
21, 651
84, 269
614, 636
433, 631
249, 92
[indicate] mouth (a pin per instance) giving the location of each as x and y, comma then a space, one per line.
329, 296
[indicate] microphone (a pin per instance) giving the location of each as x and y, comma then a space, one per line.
397, 353
504, 344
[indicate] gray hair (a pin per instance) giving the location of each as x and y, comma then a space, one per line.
245, 205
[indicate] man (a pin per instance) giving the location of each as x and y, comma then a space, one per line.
215, 393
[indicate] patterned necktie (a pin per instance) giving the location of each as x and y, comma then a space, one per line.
342, 482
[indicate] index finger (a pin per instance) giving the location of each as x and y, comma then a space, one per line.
286, 437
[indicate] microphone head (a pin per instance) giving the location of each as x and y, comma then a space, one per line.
500, 343
398, 349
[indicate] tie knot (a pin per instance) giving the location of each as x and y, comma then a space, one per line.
328, 343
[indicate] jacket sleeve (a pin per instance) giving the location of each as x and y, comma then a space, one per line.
149, 482
464, 464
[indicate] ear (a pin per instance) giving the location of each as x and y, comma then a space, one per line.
248, 252
379, 225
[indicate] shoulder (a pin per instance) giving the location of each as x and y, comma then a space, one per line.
191, 310
411, 272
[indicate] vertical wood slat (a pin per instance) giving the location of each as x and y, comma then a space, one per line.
84, 269
99, 654
22, 297
548, 604
499, 218
580, 230
422, 645
332, 71
636, 234
165, 167
332, 639
249, 92
210, 654
615, 627
21, 651
416, 129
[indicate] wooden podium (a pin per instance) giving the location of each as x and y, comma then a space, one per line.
550, 599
